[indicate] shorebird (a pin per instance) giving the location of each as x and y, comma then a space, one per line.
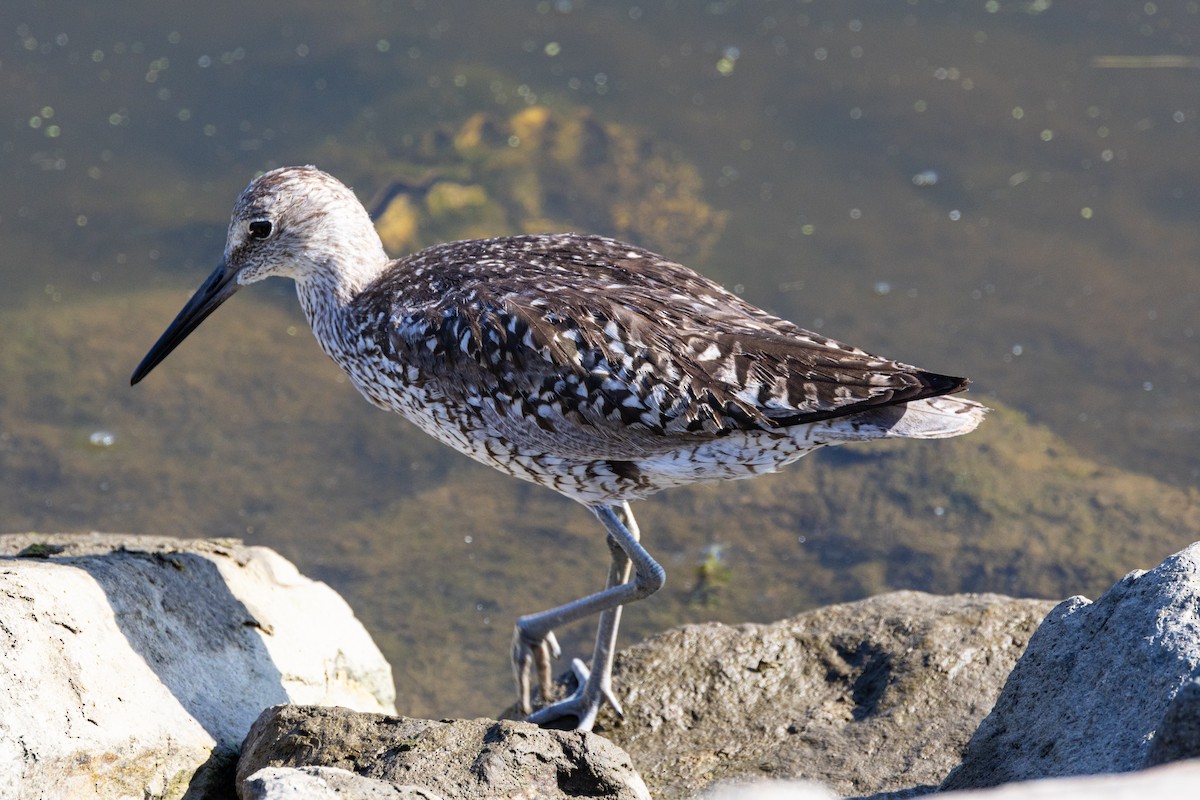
587, 365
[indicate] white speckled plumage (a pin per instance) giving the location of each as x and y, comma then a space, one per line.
587, 365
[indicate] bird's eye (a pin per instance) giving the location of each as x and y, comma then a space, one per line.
259, 229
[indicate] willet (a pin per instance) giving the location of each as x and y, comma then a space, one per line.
584, 364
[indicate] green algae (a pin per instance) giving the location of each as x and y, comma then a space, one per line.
40, 550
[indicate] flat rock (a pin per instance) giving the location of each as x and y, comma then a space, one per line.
135, 665
1097, 683
877, 695
452, 759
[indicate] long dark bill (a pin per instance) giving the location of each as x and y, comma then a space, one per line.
216, 289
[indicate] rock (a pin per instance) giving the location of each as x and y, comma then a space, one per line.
1178, 735
1095, 684
1174, 781
452, 758
324, 783
133, 666
872, 696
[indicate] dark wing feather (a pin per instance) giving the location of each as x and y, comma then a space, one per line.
606, 334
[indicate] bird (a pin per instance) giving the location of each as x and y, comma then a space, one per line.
587, 365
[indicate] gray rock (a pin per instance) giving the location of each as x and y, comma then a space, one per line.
1178, 735
865, 697
324, 783
453, 758
133, 666
1095, 683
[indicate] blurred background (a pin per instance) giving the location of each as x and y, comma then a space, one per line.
1004, 190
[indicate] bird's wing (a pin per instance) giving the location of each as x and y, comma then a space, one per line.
605, 334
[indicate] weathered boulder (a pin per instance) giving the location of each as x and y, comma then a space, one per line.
134, 666
1097, 683
865, 697
452, 759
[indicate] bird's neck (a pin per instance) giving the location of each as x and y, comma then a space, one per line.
327, 296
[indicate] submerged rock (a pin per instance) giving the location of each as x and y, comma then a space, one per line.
541, 171
134, 665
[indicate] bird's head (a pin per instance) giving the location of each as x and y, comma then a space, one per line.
299, 223
292, 222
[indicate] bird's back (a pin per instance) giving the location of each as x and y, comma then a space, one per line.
580, 350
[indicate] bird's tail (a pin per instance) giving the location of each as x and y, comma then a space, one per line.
931, 418
939, 418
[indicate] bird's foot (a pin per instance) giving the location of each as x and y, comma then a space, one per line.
531, 653
578, 712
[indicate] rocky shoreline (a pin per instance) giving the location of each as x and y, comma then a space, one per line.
164, 668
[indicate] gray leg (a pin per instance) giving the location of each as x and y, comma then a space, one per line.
539, 654
530, 652
533, 642
578, 707
605, 649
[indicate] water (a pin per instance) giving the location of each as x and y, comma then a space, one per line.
1006, 190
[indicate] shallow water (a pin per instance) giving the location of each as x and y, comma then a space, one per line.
1007, 191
